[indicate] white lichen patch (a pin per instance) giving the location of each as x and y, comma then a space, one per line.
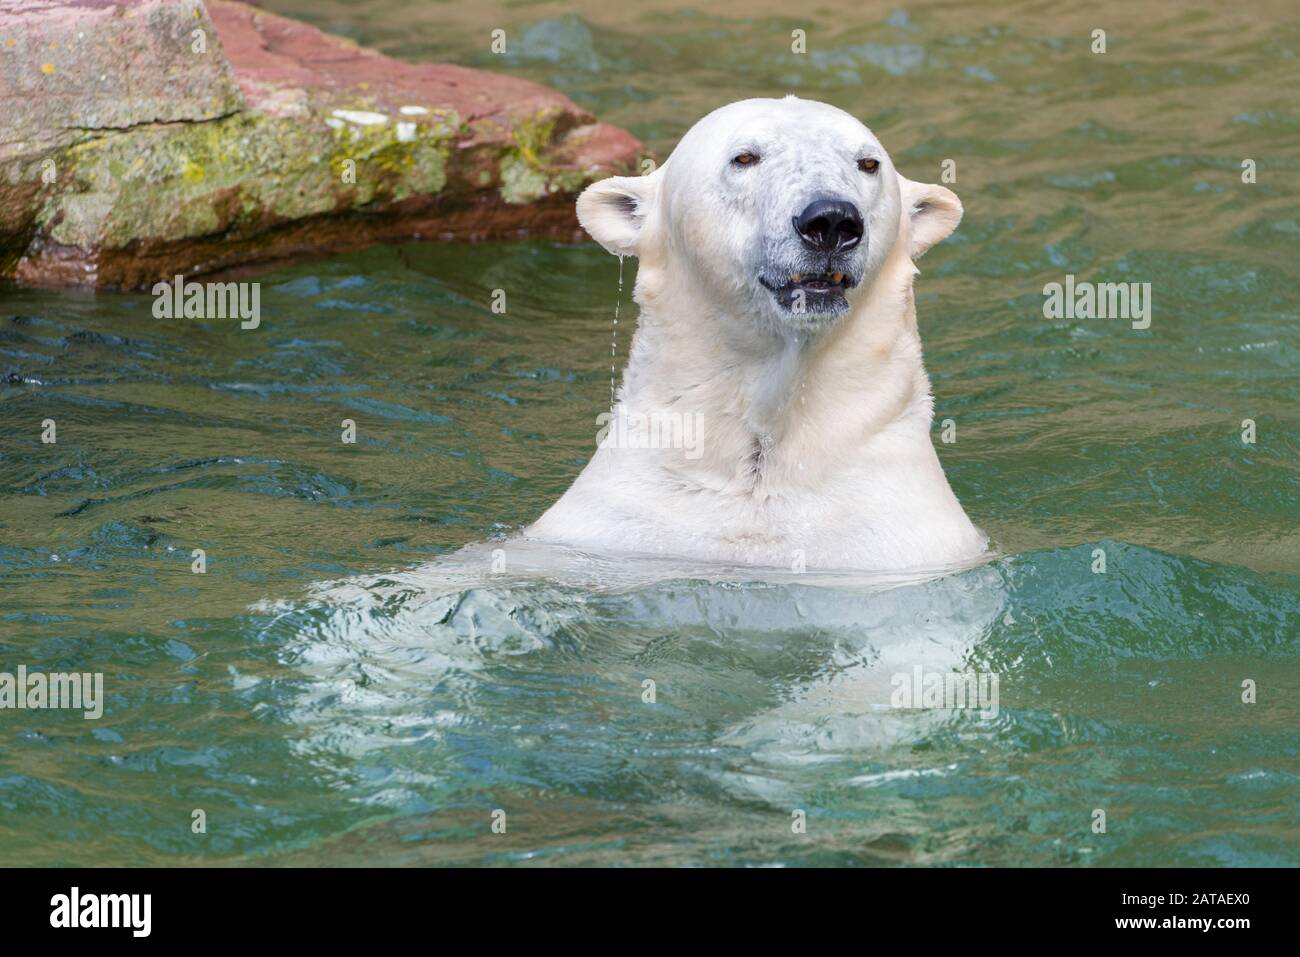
361, 117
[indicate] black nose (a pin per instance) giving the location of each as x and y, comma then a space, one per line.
829, 225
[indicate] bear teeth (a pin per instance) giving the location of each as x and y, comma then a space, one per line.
834, 278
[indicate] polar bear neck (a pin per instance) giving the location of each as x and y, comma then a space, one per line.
766, 397
814, 452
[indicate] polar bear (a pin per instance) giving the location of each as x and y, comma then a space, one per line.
774, 410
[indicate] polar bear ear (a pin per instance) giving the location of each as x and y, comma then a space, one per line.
613, 211
932, 210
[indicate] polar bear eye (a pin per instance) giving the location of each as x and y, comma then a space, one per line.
868, 165
745, 158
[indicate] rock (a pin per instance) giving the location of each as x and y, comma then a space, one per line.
145, 138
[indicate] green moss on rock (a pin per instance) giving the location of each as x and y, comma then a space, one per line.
172, 182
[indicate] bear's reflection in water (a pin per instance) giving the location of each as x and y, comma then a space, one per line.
779, 666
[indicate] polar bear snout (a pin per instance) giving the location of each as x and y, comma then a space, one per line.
809, 272
829, 225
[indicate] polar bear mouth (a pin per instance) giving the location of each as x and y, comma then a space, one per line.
822, 291
822, 283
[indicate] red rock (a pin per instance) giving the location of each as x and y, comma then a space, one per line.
173, 160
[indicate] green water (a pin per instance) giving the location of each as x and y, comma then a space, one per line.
336, 689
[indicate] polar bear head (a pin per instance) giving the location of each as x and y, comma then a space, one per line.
781, 210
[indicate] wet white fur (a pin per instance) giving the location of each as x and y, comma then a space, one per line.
815, 447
